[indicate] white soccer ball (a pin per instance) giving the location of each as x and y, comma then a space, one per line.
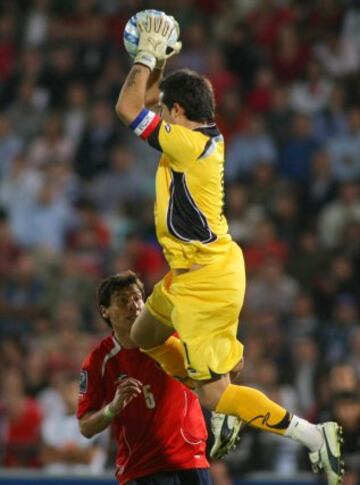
131, 32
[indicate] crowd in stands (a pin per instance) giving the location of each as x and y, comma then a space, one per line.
76, 197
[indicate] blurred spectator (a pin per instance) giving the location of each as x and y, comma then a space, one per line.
10, 145
20, 418
311, 95
20, 297
65, 280
51, 145
64, 450
290, 56
279, 116
263, 185
267, 20
324, 16
338, 213
9, 250
145, 259
248, 149
302, 322
45, 220
243, 55
220, 77
344, 150
271, 289
337, 333
232, 117
122, 183
75, 115
351, 23
36, 378
59, 73
195, 42
305, 369
265, 244
310, 260
354, 356
7, 43
90, 238
331, 121
338, 56
339, 279
259, 99
242, 217
296, 153
286, 215
27, 112
99, 137
36, 26
321, 187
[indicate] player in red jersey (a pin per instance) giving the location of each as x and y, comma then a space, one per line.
157, 421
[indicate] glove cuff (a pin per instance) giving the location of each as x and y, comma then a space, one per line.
160, 64
146, 59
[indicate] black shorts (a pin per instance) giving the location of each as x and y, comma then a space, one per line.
193, 476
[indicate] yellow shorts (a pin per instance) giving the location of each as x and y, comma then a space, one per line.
203, 307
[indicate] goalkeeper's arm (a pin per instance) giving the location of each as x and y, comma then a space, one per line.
132, 95
154, 34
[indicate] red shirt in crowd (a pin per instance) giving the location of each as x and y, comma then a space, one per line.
22, 437
163, 429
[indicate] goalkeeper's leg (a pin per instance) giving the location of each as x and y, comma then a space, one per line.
257, 410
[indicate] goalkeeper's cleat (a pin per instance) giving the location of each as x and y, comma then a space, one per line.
226, 431
328, 457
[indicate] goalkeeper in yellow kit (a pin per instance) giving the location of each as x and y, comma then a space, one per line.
202, 295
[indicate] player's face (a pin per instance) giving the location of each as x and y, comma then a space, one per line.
124, 308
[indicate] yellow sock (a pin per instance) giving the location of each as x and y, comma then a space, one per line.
253, 407
170, 356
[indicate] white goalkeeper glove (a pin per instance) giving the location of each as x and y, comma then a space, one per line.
153, 49
172, 48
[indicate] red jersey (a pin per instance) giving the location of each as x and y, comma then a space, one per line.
162, 429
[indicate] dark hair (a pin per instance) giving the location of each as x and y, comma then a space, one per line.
192, 92
114, 284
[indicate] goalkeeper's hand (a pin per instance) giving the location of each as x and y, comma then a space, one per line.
172, 49
153, 49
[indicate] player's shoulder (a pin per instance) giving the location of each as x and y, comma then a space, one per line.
102, 350
210, 131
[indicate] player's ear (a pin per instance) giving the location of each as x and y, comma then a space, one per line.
178, 110
104, 312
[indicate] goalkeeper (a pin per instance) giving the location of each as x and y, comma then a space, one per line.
202, 295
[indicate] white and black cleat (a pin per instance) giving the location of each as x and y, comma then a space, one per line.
328, 457
226, 431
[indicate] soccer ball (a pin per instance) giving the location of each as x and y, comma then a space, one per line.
131, 33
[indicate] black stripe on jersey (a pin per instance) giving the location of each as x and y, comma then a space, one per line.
153, 138
206, 148
210, 130
184, 219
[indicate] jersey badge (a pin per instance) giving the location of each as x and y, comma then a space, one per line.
83, 384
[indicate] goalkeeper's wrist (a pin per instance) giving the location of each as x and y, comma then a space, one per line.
160, 64
146, 59
109, 412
